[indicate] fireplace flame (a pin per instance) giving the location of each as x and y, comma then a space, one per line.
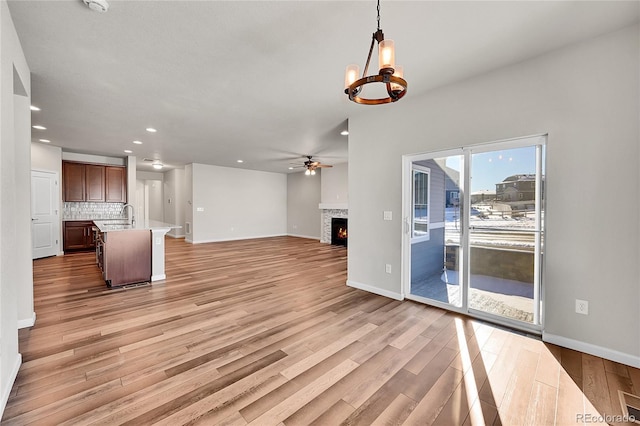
342, 233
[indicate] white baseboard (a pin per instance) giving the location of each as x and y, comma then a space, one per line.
602, 352
175, 236
29, 322
6, 387
219, 240
375, 290
304, 236
158, 277
188, 240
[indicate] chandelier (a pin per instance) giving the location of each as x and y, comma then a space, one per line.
389, 74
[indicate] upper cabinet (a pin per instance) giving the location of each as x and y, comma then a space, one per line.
116, 185
93, 182
73, 181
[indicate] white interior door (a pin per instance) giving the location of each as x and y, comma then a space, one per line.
45, 219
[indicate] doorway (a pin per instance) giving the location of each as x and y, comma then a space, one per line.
474, 227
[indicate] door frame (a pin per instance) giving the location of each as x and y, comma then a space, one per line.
465, 196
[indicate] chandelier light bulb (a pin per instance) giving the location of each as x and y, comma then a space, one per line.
386, 56
398, 72
351, 75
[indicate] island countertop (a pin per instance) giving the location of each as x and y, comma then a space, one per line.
110, 225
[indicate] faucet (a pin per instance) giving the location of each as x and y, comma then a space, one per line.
133, 217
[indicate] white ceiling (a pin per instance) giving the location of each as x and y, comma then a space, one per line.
260, 81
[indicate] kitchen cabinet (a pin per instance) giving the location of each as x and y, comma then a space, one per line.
78, 235
125, 257
93, 182
115, 184
72, 181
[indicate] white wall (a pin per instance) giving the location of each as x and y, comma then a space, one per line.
237, 203
49, 158
23, 244
15, 277
335, 184
46, 157
585, 97
188, 203
303, 197
154, 204
174, 200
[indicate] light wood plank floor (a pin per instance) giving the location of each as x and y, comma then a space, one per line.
265, 332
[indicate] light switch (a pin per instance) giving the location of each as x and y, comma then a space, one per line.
387, 215
200, 209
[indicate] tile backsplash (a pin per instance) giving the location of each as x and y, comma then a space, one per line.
86, 210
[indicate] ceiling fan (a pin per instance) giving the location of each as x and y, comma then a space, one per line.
311, 165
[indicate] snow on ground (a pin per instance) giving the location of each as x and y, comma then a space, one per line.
492, 230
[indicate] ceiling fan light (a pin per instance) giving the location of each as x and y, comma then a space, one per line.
307, 172
313, 172
386, 56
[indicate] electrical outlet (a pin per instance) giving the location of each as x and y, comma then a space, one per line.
582, 307
387, 215
387, 268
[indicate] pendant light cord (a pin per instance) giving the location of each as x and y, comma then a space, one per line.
378, 15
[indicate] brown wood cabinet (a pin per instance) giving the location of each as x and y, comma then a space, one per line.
72, 181
116, 184
126, 257
78, 236
93, 182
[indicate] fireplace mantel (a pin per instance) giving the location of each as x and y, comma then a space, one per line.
333, 206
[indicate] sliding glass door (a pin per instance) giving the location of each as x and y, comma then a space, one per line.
473, 238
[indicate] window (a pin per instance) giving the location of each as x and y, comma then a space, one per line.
420, 220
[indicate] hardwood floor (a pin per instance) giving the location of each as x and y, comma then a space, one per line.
265, 332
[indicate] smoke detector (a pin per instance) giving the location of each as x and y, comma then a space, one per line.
97, 5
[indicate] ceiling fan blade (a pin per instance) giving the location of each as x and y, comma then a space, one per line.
324, 165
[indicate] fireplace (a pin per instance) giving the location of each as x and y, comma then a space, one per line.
339, 231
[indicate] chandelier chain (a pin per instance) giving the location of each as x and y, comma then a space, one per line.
378, 15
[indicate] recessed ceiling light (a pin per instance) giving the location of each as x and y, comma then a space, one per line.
344, 132
34, 108
240, 161
44, 140
128, 151
290, 168
39, 127
157, 166
151, 130
137, 142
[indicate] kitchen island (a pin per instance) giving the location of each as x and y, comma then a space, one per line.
129, 253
